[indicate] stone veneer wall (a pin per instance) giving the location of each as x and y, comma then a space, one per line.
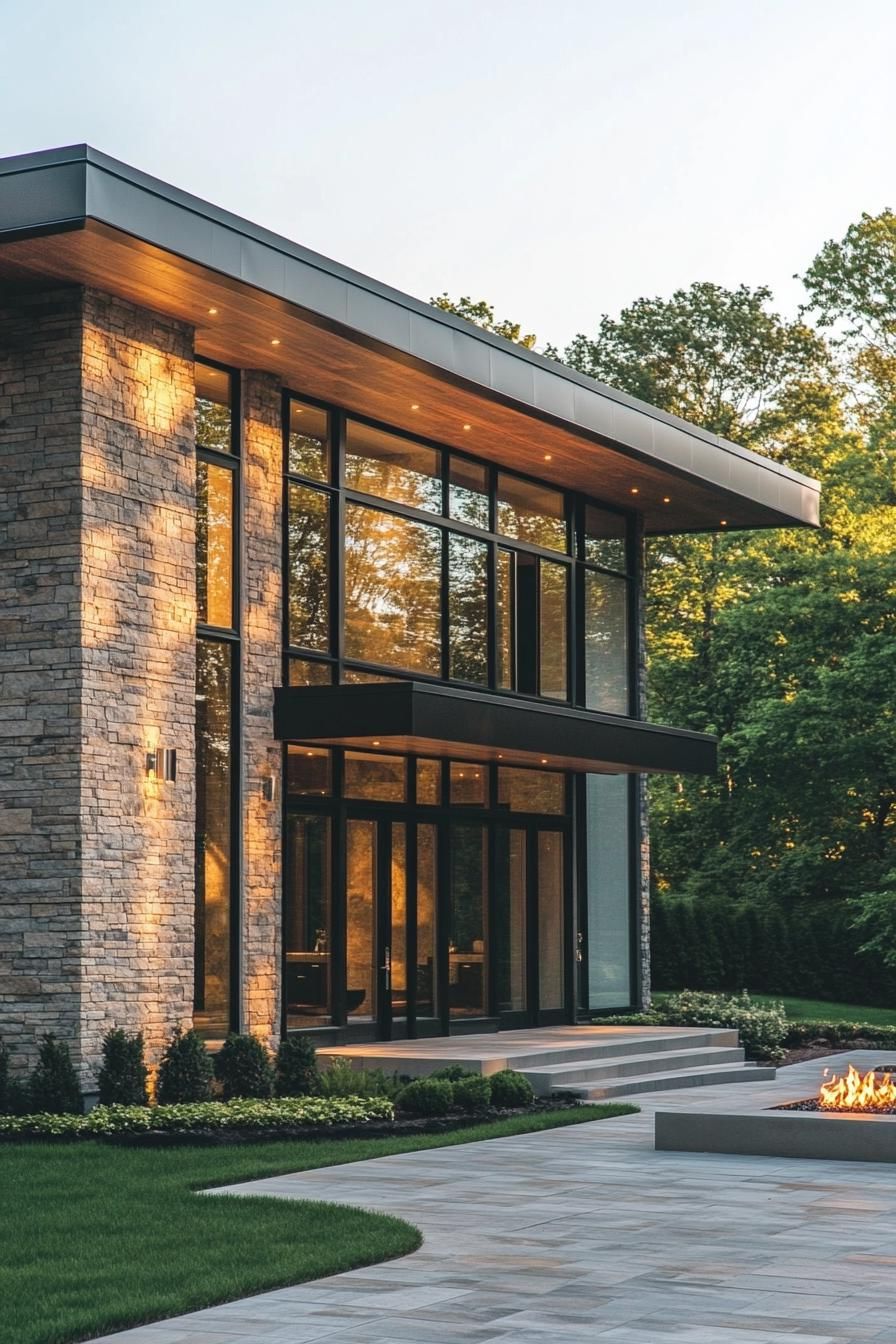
262, 585
97, 614
40, 675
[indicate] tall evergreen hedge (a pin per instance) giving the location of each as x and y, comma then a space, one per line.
804, 951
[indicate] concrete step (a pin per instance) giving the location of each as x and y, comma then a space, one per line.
708, 1076
656, 1041
547, 1077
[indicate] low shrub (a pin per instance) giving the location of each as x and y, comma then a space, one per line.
762, 1027
426, 1096
242, 1113
452, 1073
339, 1079
295, 1069
185, 1070
840, 1033
123, 1073
510, 1090
53, 1086
243, 1068
472, 1093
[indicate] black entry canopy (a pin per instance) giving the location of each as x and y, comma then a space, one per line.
433, 720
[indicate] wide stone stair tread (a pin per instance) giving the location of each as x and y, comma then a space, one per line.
593, 1069
706, 1076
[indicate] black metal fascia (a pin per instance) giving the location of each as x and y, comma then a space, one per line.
462, 719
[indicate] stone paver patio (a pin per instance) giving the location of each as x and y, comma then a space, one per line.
587, 1233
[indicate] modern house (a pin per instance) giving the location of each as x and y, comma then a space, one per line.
321, 675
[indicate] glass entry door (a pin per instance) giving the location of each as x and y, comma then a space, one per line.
379, 933
530, 921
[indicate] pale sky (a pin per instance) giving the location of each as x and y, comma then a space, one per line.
558, 157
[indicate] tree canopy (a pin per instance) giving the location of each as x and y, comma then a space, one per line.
782, 642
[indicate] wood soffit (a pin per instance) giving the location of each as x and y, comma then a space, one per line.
329, 361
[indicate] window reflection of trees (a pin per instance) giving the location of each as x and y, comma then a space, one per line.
308, 528
468, 609
392, 590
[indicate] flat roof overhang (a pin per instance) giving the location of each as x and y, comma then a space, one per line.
432, 720
75, 215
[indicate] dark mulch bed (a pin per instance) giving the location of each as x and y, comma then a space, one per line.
369, 1129
817, 1049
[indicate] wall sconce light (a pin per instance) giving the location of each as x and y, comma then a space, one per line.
269, 788
162, 764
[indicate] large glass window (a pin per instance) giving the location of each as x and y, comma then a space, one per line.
307, 922
606, 642
214, 544
397, 594
608, 886
427, 879
531, 790
308, 528
214, 397
552, 626
467, 922
214, 856
392, 590
604, 539
217, 658
308, 448
382, 778
467, 609
468, 491
392, 467
531, 512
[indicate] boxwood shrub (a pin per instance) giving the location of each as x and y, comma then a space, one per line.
295, 1068
123, 1073
243, 1067
510, 1090
426, 1096
472, 1093
185, 1070
54, 1086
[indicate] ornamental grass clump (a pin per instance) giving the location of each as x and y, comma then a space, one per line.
243, 1068
762, 1027
123, 1073
53, 1086
185, 1070
340, 1079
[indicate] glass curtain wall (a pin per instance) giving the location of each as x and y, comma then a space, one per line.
608, 858
407, 559
217, 650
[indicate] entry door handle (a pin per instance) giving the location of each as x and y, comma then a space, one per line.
386, 967
579, 941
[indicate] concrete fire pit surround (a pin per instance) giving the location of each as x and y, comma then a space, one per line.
753, 1127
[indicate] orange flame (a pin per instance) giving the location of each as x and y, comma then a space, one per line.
854, 1091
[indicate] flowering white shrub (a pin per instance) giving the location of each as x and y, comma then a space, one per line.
241, 1113
762, 1027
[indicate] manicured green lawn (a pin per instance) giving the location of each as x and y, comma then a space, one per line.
818, 1010
94, 1238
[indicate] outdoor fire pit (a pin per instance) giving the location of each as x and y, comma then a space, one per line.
851, 1118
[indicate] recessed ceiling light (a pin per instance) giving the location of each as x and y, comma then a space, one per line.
547, 457
212, 312
635, 490
544, 760
415, 405
468, 427
376, 741
666, 499
275, 341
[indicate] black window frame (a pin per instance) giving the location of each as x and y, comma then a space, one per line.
231, 635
